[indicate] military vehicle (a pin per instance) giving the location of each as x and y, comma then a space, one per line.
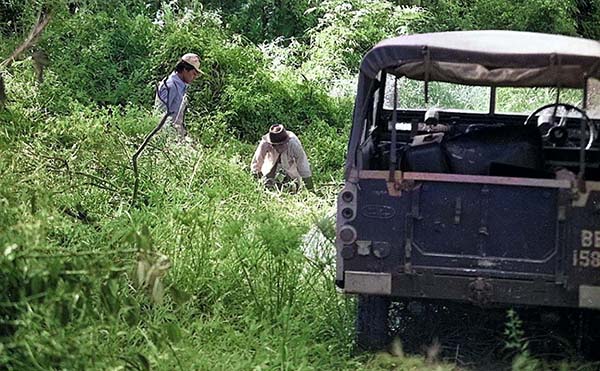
488, 192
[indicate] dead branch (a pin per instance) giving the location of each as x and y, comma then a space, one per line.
2, 93
137, 154
100, 182
36, 31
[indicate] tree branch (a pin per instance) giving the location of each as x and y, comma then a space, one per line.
36, 31
137, 154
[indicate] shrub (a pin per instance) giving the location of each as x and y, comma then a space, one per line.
100, 58
536, 16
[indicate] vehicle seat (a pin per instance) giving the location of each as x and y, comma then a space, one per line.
426, 158
482, 150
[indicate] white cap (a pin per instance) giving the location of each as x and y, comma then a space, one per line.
193, 60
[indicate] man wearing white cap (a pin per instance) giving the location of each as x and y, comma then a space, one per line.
281, 153
171, 92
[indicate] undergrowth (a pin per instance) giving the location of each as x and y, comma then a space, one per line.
206, 269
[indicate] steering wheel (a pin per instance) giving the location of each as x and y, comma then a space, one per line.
556, 131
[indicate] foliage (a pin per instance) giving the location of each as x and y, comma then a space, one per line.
262, 20
330, 53
10, 12
516, 341
88, 50
514, 333
72, 246
325, 148
525, 100
538, 15
253, 105
238, 86
209, 270
588, 18
347, 30
16, 17
444, 95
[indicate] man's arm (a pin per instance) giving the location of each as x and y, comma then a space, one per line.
303, 165
258, 159
178, 123
308, 183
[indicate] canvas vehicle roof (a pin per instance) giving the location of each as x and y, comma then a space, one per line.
498, 58
486, 58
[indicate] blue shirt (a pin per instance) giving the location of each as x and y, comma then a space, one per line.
170, 94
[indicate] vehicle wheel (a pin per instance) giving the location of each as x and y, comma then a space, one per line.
372, 327
590, 334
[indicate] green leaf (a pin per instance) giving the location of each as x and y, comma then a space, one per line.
179, 296
144, 362
173, 332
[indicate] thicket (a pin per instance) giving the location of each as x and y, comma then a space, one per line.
570, 17
208, 270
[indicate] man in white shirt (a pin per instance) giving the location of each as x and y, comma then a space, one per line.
280, 152
171, 93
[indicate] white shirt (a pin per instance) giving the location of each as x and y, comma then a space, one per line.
293, 159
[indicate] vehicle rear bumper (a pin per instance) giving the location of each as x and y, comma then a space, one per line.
477, 290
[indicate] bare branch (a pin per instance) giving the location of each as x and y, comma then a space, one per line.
137, 154
36, 31
2, 93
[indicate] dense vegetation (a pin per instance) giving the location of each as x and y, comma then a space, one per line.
206, 269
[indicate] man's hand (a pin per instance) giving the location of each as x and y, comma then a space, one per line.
308, 183
186, 141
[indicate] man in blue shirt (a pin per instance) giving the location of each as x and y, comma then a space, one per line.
171, 93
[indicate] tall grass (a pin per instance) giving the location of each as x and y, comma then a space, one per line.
71, 242
208, 270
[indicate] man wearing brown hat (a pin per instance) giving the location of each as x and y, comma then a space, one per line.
171, 93
281, 153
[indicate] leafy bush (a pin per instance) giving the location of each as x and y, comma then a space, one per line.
588, 19
347, 30
16, 16
262, 20
100, 57
538, 16
253, 105
209, 268
325, 147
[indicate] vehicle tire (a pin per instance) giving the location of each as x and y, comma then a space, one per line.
590, 334
372, 326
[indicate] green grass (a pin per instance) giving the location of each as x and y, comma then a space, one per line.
206, 270
239, 293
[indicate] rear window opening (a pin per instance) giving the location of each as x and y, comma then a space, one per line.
456, 132
448, 96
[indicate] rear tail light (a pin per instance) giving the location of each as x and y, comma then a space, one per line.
347, 234
347, 203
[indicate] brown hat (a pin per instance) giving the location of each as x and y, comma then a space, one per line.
193, 60
277, 135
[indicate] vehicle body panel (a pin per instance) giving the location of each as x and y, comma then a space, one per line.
491, 213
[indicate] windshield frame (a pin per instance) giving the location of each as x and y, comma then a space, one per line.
431, 95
